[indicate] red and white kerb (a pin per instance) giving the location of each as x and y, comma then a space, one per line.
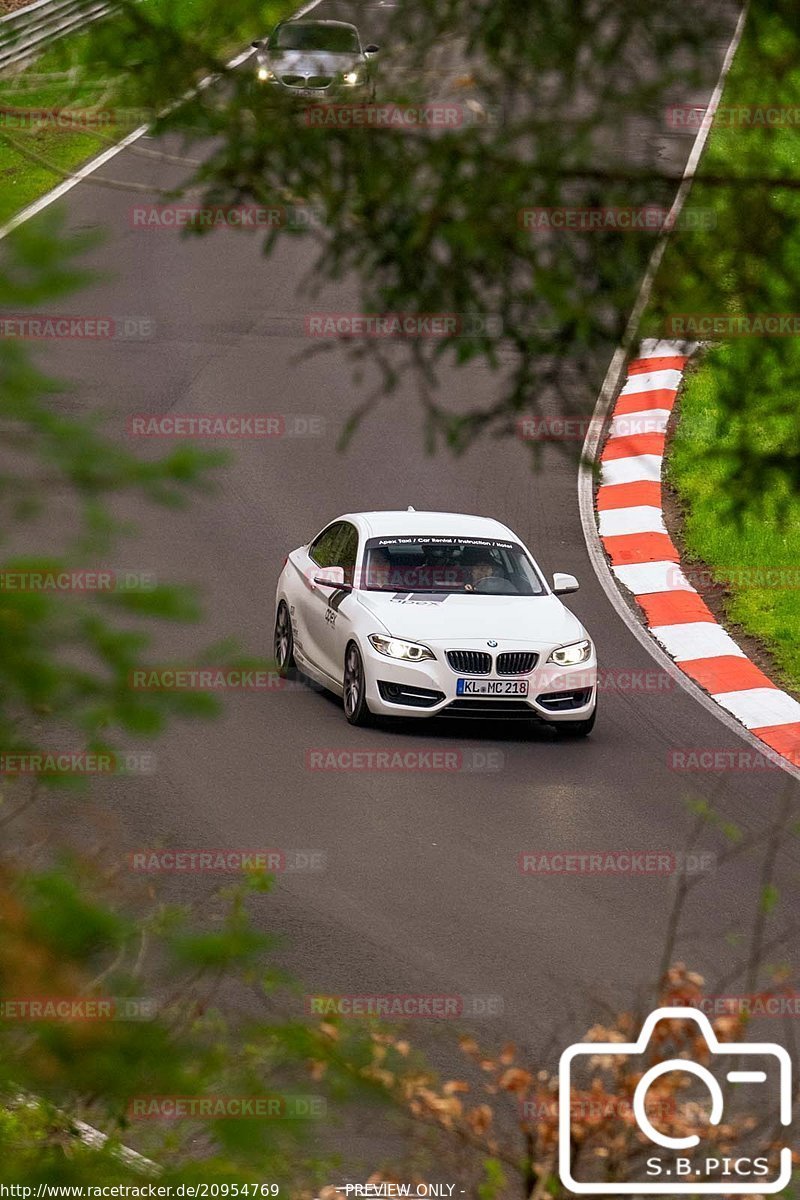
644, 559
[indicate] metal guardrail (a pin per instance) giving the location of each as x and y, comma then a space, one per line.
28, 30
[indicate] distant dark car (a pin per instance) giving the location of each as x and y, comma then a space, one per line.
316, 60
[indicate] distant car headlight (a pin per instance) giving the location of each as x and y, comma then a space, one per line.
264, 74
396, 648
570, 656
353, 77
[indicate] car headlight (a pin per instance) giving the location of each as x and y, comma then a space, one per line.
264, 74
397, 648
353, 77
570, 656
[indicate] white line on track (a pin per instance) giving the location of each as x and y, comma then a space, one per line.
90, 167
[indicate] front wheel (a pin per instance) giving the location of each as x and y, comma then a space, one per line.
355, 688
284, 641
576, 729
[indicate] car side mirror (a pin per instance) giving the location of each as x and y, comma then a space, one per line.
369, 51
562, 584
332, 577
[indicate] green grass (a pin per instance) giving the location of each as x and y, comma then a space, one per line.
23, 181
34, 160
735, 457
737, 546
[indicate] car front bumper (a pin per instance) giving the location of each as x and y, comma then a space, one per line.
556, 695
335, 92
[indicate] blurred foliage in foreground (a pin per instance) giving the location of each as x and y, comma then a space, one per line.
495, 1128
67, 653
559, 107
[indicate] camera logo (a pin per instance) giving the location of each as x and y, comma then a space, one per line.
702, 1172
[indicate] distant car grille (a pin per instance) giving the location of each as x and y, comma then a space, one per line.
517, 663
471, 662
313, 81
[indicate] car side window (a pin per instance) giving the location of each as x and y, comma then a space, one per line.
348, 550
325, 548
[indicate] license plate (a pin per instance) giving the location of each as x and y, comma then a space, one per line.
492, 687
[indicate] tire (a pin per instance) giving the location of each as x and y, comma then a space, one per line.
354, 699
283, 641
576, 729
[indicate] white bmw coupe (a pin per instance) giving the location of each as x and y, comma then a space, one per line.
416, 614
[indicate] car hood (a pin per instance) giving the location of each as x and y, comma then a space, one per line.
310, 62
532, 620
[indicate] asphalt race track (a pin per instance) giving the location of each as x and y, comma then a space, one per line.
422, 891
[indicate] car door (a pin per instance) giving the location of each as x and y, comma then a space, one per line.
330, 608
306, 624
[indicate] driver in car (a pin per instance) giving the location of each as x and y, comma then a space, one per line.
482, 568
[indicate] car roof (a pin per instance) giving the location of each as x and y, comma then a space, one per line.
388, 522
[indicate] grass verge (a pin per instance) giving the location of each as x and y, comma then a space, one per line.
733, 461
753, 553
55, 115
51, 124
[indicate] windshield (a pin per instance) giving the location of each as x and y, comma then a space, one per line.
469, 566
332, 39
